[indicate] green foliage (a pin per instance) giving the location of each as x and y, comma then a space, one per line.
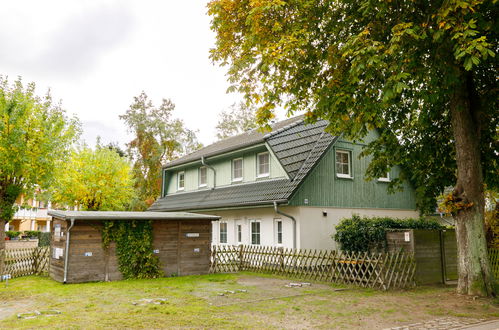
12, 234
35, 136
32, 233
157, 138
133, 247
44, 239
369, 234
238, 119
391, 65
95, 180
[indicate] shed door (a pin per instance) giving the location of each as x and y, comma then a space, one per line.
165, 243
194, 247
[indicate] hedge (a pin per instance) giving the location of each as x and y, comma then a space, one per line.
361, 234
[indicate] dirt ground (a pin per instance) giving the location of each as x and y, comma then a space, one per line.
238, 301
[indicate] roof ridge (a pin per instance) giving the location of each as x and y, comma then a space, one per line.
308, 157
282, 129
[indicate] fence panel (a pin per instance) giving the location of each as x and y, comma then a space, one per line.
26, 261
374, 270
494, 262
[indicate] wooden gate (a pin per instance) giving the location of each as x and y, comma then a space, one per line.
25, 261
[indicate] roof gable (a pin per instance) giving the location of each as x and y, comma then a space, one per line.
298, 147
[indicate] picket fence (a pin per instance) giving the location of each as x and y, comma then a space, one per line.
374, 270
25, 261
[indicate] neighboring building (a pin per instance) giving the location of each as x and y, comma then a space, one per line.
287, 188
31, 215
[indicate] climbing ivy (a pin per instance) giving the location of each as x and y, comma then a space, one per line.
133, 248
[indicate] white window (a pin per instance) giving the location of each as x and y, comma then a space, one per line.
203, 176
278, 225
181, 180
223, 232
255, 232
343, 164
239, 234
385, 178
263, 164
237, 169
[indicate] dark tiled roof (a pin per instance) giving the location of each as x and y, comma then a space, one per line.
232, 143
293, 145
297, 146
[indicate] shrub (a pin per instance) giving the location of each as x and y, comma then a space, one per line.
32, 233
44, 239
12, 234
362, 234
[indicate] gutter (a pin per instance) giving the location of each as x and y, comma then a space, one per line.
288, 216
214, 172
66, 255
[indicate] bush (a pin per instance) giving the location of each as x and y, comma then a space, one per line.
12, 234
44, 239
362, 234
32, 233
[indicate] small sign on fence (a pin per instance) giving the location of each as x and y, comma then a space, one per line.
6, 277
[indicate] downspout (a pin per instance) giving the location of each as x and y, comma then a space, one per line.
214, 172
292, 218
66, 255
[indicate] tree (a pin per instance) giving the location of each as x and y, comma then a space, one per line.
158, 138
421, 72
35, 136
237, 119
95, 180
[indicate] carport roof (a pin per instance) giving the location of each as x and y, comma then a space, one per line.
121, 215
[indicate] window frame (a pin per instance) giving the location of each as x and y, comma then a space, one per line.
239, 233
220, 232
202, 185
259, 232
258, 174
385, 178
350, 172
277, 223
178, 181
238, 179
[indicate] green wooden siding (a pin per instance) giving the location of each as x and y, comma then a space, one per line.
223, 167
323, 188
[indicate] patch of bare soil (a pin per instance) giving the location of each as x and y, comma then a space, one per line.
320, 305
10, 308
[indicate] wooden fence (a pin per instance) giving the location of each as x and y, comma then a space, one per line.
494, 262
373, 270
25, 261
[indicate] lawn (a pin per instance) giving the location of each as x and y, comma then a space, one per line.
248, 301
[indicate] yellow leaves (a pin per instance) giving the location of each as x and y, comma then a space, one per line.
345, 117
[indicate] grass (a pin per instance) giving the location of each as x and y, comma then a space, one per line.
195, 301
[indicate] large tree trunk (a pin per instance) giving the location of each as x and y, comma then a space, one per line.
475, 277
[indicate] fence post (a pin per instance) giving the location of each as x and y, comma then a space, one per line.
241, 256
281, 259
214, 258
35, 261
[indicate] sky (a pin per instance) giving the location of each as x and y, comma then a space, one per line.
95, 56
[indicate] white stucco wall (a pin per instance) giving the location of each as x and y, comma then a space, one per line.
317, 230
268, 227
313, 230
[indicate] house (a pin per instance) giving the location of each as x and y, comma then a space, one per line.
31, 214
289, 187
